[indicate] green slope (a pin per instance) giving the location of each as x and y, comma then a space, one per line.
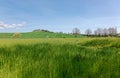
39, 35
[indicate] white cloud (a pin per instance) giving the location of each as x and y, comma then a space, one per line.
11, 26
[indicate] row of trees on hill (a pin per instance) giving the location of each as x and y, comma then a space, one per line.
106, 32
98, 32
41, 30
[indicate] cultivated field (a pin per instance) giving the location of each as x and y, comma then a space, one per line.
60, 58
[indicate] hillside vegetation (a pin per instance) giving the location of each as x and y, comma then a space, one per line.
41, 34
60, 58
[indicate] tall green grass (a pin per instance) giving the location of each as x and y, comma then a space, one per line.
60, 58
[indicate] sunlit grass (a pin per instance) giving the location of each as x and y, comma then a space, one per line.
60, 58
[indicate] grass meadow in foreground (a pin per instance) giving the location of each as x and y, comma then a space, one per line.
60, 58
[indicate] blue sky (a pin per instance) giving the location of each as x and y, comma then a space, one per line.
58, 15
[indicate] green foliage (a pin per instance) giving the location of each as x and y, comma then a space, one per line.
98, 42
60, 58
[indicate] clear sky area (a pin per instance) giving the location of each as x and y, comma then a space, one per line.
58, 15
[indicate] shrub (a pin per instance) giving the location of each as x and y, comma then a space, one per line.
16, 35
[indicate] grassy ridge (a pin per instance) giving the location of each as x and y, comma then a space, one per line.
60, 58
41, 34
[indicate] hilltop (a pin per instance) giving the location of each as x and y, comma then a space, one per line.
38, 34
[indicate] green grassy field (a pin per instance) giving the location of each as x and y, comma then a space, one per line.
42, 34
60, 58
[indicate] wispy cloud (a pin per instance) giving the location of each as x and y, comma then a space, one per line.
11, 26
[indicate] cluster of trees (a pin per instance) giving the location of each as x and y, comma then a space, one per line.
106, 31
98, 32
41, 30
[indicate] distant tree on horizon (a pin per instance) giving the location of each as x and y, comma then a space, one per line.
112, 31
105, 32
88, 32
76, 32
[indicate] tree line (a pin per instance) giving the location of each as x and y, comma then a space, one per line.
101, 32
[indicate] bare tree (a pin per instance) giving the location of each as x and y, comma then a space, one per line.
76, 32
115, 31
88, 32
95, 33
112, 31
99, 31
105, 32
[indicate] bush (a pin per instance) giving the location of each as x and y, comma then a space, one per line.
16, 35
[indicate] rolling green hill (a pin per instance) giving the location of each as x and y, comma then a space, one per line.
41, 34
